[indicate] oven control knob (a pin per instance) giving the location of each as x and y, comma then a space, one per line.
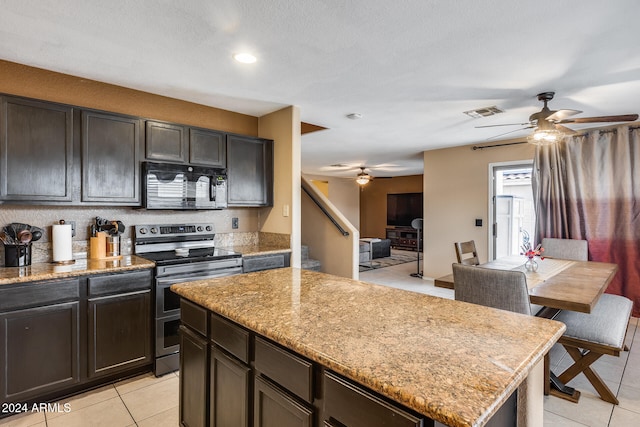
154, 230
199, 228
208, 228
143, 231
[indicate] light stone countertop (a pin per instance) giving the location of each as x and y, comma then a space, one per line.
451, 361
47, 270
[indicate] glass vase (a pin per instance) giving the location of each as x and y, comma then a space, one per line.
531, 265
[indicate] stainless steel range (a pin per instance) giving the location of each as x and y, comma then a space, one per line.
182, 253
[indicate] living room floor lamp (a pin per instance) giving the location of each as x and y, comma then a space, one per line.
417, 224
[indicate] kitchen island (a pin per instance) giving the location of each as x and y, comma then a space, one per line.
418, 355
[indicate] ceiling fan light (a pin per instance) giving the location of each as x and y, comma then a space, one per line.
363, 179
545, 137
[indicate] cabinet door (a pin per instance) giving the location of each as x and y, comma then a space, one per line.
275, 408
229, 390
165, 142
119, 332
110, 154
39, 351
194, 378
36, 151
250, 171
207, 148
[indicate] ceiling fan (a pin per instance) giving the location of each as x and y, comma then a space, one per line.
363, 177
549, 124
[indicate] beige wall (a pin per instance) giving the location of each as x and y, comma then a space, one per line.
456, 192
338, 254
283, 127
373, 201
343, 193
17, 79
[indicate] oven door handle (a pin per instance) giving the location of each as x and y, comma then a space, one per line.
211, 275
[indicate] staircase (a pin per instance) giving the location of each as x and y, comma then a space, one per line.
306, 262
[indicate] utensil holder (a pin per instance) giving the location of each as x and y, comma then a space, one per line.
17, 255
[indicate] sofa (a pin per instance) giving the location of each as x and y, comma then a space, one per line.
378, 248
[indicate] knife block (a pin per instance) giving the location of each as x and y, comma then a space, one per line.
98, 246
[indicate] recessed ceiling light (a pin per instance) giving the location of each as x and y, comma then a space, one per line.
245, 58
354, 116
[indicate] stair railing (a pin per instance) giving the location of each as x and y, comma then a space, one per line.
325, 212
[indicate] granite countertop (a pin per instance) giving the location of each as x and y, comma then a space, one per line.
46, 270
259, 249
451, 361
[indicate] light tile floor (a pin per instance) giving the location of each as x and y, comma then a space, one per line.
144, 401
147, 401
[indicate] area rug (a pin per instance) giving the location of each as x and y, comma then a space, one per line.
397, 257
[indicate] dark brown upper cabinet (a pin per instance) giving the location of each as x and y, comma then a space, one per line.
250, 171
169, 142
36, 151
207, 147
110, 159
165, 142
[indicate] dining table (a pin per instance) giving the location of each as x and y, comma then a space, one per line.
556, 284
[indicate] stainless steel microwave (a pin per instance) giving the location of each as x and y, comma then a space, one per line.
183, 187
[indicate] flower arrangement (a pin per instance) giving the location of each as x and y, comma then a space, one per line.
530, 253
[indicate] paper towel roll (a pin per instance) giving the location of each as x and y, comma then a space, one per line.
62, 242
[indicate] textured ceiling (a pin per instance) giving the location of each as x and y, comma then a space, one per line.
410, 67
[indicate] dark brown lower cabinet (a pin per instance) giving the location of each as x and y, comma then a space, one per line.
274, 407
194, 358
119, 332
39, 350
346, 404
230, 391
62, 336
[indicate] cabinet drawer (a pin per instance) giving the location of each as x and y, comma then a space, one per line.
353, 406
193, 316
119, 283
230, 336
14, 297
266, 262
285, 368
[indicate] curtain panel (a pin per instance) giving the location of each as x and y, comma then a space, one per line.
588, 187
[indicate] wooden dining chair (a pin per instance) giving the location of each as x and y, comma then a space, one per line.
571, 249
466, 253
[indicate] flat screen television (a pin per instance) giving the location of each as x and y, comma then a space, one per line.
403, 208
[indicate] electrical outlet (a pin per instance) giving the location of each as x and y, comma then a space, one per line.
73, 228
234, 223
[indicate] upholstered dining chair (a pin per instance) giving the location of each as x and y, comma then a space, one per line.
503, 289
587, 337
466, 253
571, 249
590, 336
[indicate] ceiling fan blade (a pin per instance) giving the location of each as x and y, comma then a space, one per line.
507, 133
562, 114
565, 129
621, 118
505, 124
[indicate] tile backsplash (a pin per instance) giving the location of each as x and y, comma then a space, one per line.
45, 216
